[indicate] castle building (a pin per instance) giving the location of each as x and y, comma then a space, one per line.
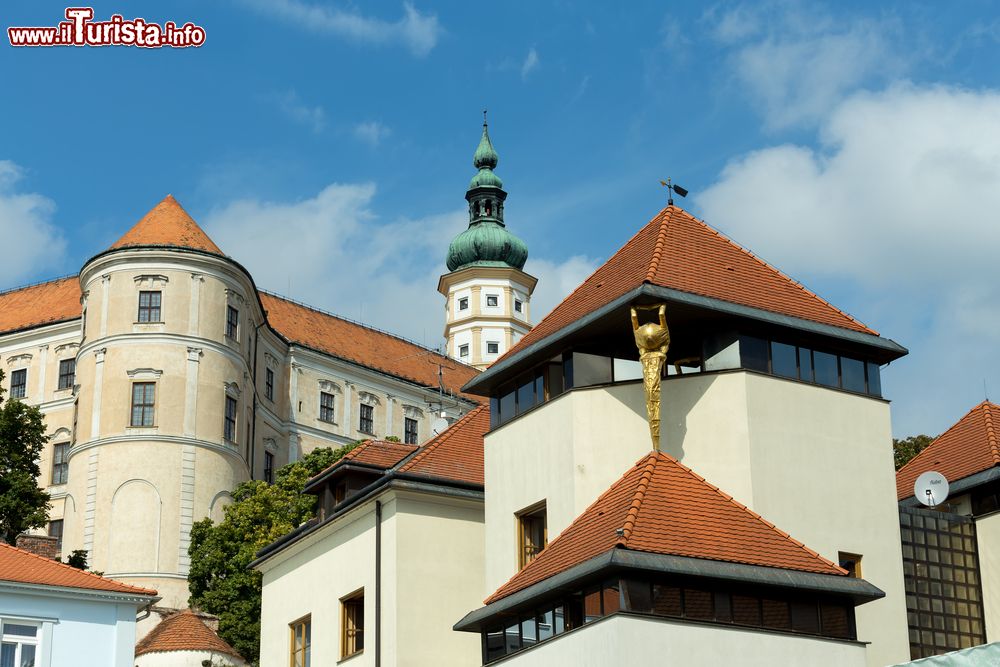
167, 378
488, 295
732, 542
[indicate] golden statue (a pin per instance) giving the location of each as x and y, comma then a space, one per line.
652, 339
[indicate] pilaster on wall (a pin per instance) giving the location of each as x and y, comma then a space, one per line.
191, 391
105, 296
187, 508
195, 306
90, 506
95, 415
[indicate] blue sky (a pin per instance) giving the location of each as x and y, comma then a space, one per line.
327, 146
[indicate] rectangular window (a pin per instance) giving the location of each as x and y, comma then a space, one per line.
463, 303
301, 643
518, 305
753, 353
492, 300
149, 307
463, 350
232, 323
492, 347
851, 563
367, 421
229, 428
531, 534
874, 380
67, 373
409, 431
143, 402
269, 467
825, 366
326, 407
269, 384
852, 372
60, 462
19, 643
783, 360
352, 624
56, 531
806, 365
19, 383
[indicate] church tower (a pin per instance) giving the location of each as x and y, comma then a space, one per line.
488, 294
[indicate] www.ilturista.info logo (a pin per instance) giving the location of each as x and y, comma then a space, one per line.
81, 30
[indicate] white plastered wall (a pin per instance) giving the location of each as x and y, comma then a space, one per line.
988, 537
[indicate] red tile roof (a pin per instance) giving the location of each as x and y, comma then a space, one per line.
183, 631
354, 342
678, 251
24, 567
169, 225
970, 446
38, 305
457, 452
663, 507
380, 453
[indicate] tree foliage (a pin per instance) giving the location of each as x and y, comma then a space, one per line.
23, 505
904, 449
220, 580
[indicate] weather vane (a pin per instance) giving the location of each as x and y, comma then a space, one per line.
671, 189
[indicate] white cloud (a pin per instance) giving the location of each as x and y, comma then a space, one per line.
419, 32
796, 64
530, 63
371, 132
900, 203
292, 106
32, 244
331, 251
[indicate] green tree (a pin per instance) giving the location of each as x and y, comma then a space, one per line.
220, 580
23, 505
904, 449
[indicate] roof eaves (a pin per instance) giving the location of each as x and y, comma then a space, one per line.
858, 590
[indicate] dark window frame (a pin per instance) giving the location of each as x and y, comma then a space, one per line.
492, 300
463, 303
150, 307
232, 323
326, 407
269, 467
60, 463
410, 430
145, 404
55, 529
67, 373
19, 383
229, 421
366, 418
463, 350
492, 344
269, 384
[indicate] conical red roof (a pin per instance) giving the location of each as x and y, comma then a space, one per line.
677, 251
168, 225
661, 506
183, 631
968, 447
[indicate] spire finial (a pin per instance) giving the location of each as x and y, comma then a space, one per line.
484, 117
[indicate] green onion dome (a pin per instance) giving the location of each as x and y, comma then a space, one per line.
486, 243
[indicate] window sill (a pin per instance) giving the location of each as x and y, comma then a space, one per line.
147, 327
349, 657
326, 421
141, 430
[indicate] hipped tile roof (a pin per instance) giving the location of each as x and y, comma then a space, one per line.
167, 225
38, 305
677, 251
456, 453
379, 453
661, 506
968, 447
354, 342
24, 567
183, 631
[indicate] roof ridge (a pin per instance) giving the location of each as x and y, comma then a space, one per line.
781, 273
773, 527
49, 561
360, 324
435, 442
39, 283
991, 435
661, 234
640, 495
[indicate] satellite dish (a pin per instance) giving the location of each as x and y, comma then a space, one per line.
439, 425
931, 488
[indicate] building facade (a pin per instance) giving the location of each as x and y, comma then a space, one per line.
488, 295
166, 379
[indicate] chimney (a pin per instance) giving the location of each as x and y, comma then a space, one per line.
40, 545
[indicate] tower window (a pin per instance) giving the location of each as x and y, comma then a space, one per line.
19, 383
229, 425
232, 323
492, 347
463, 303
518, 305
489, 207
143, 403
67, 373
60, 463
269, 467
463, 350
149, 306
56, 531
492, 300
269, 384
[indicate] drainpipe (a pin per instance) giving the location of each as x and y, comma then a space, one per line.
378, 583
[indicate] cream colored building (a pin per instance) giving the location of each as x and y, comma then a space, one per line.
166, 379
